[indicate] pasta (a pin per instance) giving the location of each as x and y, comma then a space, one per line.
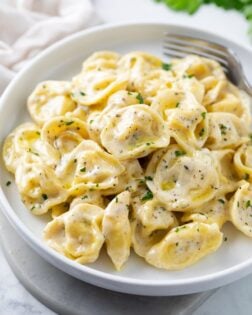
136, 153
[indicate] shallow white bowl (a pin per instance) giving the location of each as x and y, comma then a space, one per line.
232, 261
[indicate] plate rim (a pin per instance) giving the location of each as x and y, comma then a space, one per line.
190, 285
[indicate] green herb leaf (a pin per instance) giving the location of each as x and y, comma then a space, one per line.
223, 129
8, 183
179, 153
191, 6
140, 98
148, 196
166, 66
203, 114
221, 201
68, 123
248, 203
148, 178
83, 169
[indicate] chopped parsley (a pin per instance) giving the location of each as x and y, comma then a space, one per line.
223, 129
91, 121
84, 197
116, 199
32, 208
8, 183
166, 66
140, 98
30, 151
83, 169
68, 123
188, 76
221, 201
82, 93
203, 114
180, 228
177, 105
148, 178
148, 196
248, 204
44, 196
225, 239
179, 153
192, 6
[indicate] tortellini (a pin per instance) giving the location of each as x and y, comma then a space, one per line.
116, 229
243, 162
225, 131
136, 152
181, 180
63, 134
215, 211
100, 77
240, 208
185, 245
25, 139
77, 233
134, 132
98, 119
89, 167
50, 99
147, 74
38, 186
153, 220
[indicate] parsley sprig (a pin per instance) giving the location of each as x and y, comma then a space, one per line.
243, 6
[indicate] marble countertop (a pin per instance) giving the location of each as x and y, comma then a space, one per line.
229, 300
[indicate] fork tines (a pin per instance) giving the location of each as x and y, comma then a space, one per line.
179, 46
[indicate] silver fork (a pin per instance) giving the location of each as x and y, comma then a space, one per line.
179, 46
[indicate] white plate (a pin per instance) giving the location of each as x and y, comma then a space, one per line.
232, 261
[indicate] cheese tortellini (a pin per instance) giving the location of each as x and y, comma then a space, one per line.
116, 229
134, 153
134, 132
185, 245
181, 180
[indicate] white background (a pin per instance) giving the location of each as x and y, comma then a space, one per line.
230, 300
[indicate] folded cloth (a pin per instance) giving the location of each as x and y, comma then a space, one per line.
29, 26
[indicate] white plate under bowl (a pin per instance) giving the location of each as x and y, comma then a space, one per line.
232, 261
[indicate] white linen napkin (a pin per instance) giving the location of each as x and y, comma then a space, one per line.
29, 26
